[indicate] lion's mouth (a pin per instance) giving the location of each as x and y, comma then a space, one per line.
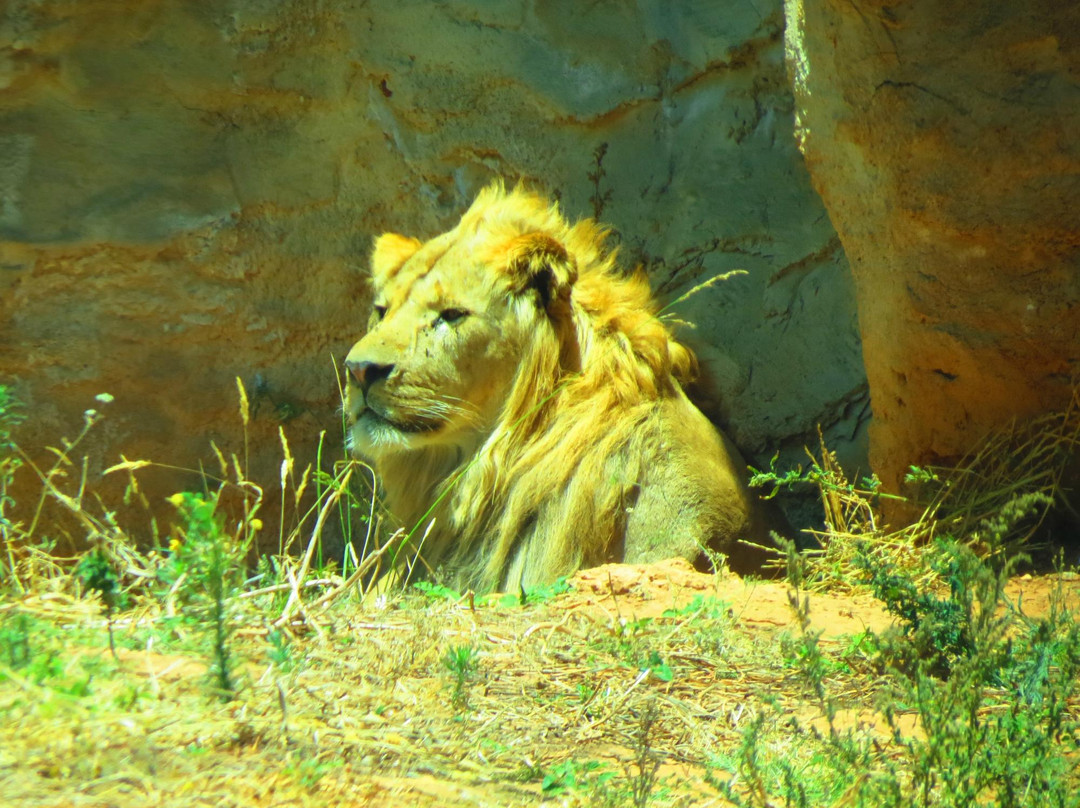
376, 418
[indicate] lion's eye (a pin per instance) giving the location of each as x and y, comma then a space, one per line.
380, 312
451, 316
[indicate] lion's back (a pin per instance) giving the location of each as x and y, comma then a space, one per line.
693, 493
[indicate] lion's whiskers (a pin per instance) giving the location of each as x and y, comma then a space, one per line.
442, 408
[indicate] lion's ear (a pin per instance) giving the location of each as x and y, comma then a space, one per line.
391, 251
537, 261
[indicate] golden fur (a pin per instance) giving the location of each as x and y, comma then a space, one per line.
518, 390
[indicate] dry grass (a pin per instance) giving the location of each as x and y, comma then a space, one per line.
611, 693
1021, 460
352, 701
995, 499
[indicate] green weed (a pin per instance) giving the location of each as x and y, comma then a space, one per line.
461, 662
309, 771
11, 416
641, 771
571, 775
702, 607
97, 573
937, 629
764, 772
279, 650
541, 594
15, 634
820, 476
208, 564
434, 591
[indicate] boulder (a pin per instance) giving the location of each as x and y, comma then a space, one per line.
942, 139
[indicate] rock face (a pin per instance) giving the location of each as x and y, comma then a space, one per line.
942, 139
188, 193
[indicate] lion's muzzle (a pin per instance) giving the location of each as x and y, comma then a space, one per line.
364, 374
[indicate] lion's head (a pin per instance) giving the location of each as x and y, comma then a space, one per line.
508, 376
451, 321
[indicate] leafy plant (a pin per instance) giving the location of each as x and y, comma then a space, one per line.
820, 475
764, 772
541, 594
97, 573
658, 667
702, 607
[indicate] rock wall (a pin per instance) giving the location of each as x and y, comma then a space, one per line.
943, 141
188, 192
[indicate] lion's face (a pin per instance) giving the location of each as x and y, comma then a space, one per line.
449, 323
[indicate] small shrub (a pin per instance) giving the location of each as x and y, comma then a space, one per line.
990, 690
936, 629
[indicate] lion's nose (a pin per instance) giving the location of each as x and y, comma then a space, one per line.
365, 374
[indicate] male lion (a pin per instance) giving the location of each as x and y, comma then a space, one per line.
518, 390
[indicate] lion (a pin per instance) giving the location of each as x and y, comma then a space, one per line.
524, 409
